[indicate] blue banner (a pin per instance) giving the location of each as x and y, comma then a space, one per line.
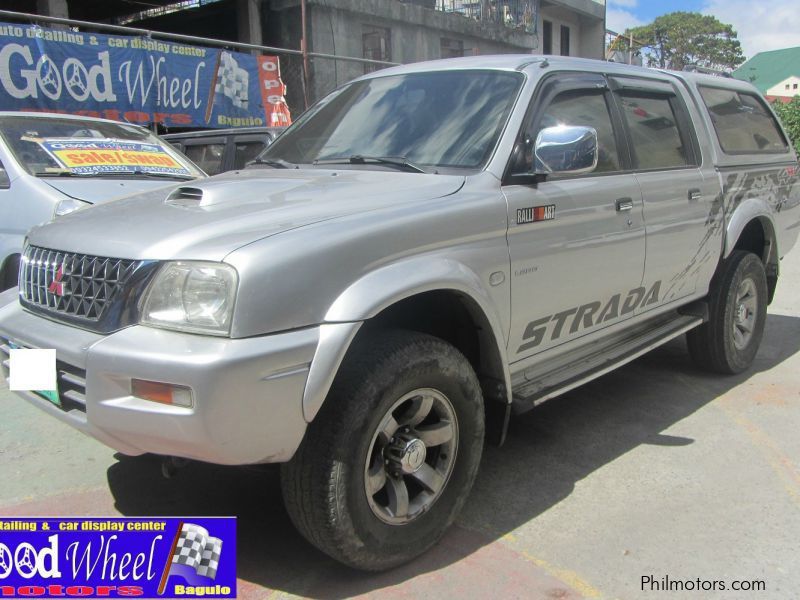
118, 557
136, 79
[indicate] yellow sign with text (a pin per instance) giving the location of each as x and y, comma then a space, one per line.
94, 157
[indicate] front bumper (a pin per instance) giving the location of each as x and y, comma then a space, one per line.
247, 392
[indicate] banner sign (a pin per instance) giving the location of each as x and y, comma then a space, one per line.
118, 557
90, 157
137, 79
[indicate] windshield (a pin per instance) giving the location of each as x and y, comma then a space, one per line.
438, 119
49, 147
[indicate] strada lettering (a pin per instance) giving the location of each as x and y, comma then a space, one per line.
588, 315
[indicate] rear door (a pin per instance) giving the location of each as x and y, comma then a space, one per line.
678, 196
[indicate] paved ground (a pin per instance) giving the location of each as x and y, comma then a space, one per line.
656, 469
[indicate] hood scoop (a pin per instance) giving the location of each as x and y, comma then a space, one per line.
185, 196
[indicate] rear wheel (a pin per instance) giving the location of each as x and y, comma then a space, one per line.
729, 341
387, 464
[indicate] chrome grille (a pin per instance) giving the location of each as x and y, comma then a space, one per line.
77, 285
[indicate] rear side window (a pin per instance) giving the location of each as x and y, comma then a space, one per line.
206, 156
743, 123
658, 142
245, 152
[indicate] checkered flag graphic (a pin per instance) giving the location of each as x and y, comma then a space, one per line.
232, 80
197, 549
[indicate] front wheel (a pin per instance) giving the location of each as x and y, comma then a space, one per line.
729, 341
387, 464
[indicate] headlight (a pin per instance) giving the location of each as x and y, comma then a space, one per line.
68, 205
196, 297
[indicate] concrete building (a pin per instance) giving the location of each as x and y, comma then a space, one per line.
405, 32
398, 31
775, 73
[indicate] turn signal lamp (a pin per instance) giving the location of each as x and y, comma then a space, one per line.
163, 393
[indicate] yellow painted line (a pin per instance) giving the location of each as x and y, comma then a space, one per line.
566, 576
783, 466
571, 578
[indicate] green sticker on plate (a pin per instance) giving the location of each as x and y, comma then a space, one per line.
51, 395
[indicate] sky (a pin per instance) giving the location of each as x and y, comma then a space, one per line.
760, 25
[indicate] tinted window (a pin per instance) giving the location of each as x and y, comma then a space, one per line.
564, 40
207, 156
245, 152
586, 108
437, 119
547, 37
657, 140
743, 123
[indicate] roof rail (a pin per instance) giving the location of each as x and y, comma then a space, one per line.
706, 71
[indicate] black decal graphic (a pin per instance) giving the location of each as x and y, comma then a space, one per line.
535, 333
559, 319
585, 314
611, 310
583, 317
633, 299
652, 295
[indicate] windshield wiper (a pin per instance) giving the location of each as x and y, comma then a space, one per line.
278, 163
108, 174
57, 173
357, 159
140, 173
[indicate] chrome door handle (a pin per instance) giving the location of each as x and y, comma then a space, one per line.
695, 195
624, 204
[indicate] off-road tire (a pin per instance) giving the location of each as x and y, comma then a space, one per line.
324, 483
712, 346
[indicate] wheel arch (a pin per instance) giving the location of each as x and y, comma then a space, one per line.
439, 297
752, 229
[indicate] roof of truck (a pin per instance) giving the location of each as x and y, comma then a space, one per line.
518, 62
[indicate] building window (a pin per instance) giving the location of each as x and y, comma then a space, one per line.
564, 40
452, 48
377, 45
795, 86
787, 86
547, 37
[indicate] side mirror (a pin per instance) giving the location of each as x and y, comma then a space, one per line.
565, 150
5, 182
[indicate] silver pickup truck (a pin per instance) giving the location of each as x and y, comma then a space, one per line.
426, 251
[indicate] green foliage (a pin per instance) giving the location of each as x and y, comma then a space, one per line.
789, 114
677, 39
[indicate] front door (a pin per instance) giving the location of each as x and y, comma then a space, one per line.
577, 244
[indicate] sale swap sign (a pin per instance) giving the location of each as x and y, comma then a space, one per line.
137, 79
96, 156
118, 557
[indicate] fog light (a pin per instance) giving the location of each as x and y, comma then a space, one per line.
163, 393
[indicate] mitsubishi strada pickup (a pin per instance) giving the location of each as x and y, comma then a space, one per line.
427, 251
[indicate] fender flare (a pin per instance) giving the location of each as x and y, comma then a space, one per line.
374, 292
747, 211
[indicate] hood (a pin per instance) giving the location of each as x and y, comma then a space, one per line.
96, 190
206, 219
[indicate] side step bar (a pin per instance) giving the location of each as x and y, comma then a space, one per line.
549, 380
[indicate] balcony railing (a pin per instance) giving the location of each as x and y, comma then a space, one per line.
517, 14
